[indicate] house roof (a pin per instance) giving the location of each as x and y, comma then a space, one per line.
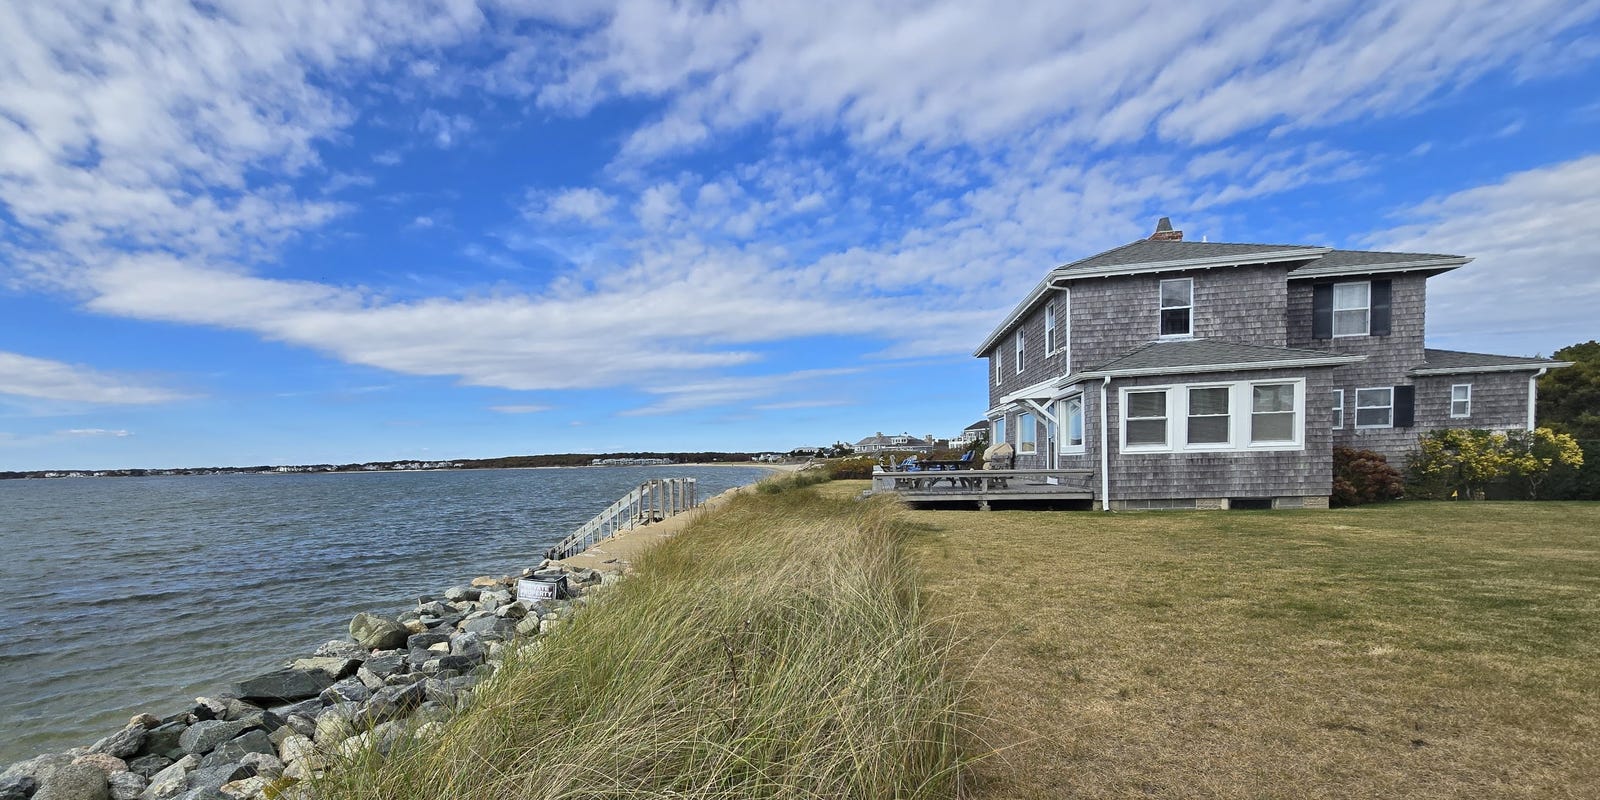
888, 441
1158, 255
1208, 355
1455, 362
980, 425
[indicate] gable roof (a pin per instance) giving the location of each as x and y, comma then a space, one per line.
1208, 355
1158, 255
1456, 362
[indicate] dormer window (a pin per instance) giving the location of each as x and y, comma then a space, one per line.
1177, 307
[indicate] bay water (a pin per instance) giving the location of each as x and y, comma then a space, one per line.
128, 595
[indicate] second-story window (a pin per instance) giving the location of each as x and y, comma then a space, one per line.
1019, 351
999, 367
1177, 307
1352, 309
1049, 328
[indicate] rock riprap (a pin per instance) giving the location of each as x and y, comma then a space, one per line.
394, 678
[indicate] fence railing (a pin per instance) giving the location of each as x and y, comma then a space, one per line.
652, 501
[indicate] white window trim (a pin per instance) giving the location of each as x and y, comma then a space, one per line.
1160, 291
1240, 398
1390, 406
1338, 409
1467, 400
1066, 332
1027, 434
1020, 348
1066, 447
1336, 309
999, 367
1184, 428
997, 430
1052, 343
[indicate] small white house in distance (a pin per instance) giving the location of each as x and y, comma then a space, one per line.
977, 431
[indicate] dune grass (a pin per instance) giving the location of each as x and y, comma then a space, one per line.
778, 648
1425, 650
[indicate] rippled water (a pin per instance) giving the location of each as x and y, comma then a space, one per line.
123, 595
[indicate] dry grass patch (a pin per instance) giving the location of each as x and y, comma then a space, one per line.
1416, 650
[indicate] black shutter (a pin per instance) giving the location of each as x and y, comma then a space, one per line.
1322, 311
1381, 293
1405, 406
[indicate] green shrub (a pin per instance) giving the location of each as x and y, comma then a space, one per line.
1362, 476
853, 468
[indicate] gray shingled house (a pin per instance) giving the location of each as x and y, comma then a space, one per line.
1210, 375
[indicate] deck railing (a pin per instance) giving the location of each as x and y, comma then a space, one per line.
652, 501
985, 484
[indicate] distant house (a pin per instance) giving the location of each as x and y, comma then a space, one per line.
1204, 374
879, 443
976, 432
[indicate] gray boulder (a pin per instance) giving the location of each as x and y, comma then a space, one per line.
206, 793
339, 648
126, 785
236, 748
457, 594
203, 737
391, 703
172, 781
376, 633
213, 777
333, 665
284, 685
490, 627
163, 740
74, 782
38, 768
468, 644
18, 787
267, 765
386, 664
123, 743
349, 690
149, 765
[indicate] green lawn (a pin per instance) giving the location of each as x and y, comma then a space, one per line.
1417, 650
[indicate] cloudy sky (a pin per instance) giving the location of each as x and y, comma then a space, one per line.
236, 232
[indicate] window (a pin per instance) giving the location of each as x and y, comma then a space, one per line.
1146, 419
1338, 409
1375, 408
1177, 303
1049, 328
1071, 417
1352, 309
1272, 414
1019, 351
1461, 400
997, 431
1208, 415
1027, 434
999, 367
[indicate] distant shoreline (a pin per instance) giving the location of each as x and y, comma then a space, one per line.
445, 465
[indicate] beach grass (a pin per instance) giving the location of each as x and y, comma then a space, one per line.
777, 648
1423, 650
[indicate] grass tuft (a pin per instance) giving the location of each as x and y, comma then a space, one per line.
778, 648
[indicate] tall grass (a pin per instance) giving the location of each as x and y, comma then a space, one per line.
778, 648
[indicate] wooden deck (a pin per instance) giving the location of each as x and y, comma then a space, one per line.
983, 486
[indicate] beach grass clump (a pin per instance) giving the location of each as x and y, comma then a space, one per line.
778, 648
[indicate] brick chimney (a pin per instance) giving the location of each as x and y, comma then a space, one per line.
1165, 233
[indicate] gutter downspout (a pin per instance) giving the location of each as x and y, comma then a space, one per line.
1105, 445
1533, 395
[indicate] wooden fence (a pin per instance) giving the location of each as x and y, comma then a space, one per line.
652, 501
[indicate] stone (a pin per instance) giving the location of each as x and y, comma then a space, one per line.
528, 626
422, 641
338, 648
485, 581
303, 724
387, 663
391, 703
164, 740
149, 765
499, 597
245, 788
335, 666
490, 627
298, 748
126, 785
213, 777
18, 787
235, 708
512, 611
209, 708
308, 707
205, 793
285, 685
145, 721
37, 769
376, 633
467, 644
74, 782
349, 690
105, 762
403, 679
202, 737
235, 749
172, 781
336, 724
456, 594
266, 765
433, 609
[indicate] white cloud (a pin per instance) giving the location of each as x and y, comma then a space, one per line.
585, 204
686, 396
96, 433
1534, 284
26, 376
447, 130
520, 409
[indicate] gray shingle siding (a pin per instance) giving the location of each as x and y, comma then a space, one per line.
1499, 401
1306, 472
1036, 364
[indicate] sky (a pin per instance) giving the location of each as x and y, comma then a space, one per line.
235, 232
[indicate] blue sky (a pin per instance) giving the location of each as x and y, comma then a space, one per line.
241, 233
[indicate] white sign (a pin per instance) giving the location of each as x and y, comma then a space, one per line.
529, 590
